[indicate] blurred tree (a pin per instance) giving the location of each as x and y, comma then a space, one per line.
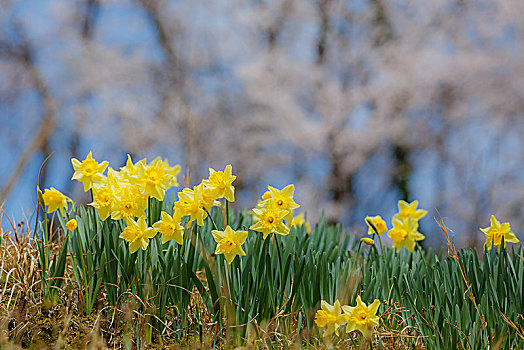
360, 103
19, 51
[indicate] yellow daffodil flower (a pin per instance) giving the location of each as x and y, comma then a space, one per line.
181, 208
72, 225
129, 170
330, 317
406, 210
209, 196
54, 200
229, 243
153, 179
190, 203
362, 317
114, 178
269, 220
170, 228
405, 233
137, 234
103, 201
128, 202
172, 172
221, 183
496, 231
376, 222
89, 171
299, 221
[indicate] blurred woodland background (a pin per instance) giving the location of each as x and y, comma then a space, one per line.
359, 103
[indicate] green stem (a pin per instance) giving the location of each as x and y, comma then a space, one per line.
279, 256
229, 280
375, 250
422, 255
93, 210
384, 259
45, 239
149, 278
229, 285
149, 211
227, 212
356, 256
210, 218
44, 254
381, 247
353, 341
380, 241
86, 285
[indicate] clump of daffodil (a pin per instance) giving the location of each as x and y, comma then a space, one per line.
269, 220
330, 317
89, 171
376, 225
405, 234
170, 228
299, 221
54, 200
125, 193
71, 225
281, 199
406, 210
275, 207
220, 182
197, 202
229, 243
137, 234
362, 317
496, 232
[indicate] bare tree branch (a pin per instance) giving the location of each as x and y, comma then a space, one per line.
23, 53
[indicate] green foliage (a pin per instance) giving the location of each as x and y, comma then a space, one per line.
51, 270
87, 257
285, 278
437, 300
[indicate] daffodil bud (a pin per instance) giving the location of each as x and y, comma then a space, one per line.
72, 225
368, 241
